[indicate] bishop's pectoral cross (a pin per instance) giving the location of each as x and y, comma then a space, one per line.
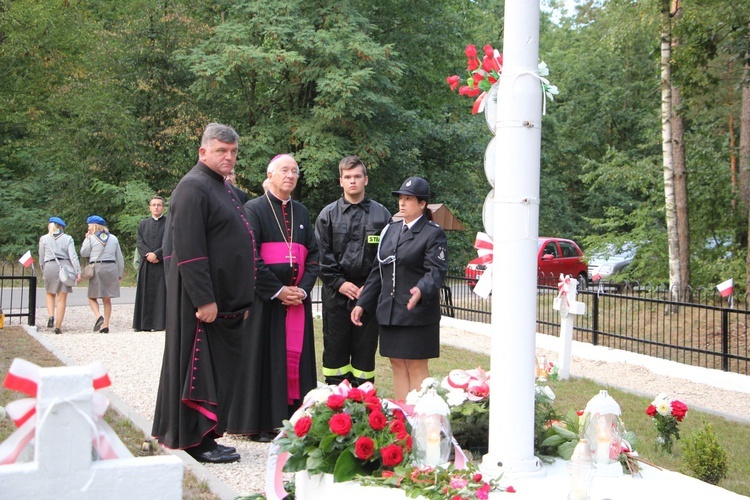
291, 258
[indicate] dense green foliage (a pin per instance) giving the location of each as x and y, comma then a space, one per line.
96, 118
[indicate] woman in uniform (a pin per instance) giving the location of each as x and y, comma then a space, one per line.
57, 249
103, 250
403, 288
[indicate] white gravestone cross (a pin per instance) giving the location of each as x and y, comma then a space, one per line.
568, 306
62, 465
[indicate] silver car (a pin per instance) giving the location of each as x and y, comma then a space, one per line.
604, 265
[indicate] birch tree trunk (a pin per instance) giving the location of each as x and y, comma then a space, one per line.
680, 172
667, 158
745, 147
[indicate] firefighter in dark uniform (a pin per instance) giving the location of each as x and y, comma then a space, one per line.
348, 232
403, 289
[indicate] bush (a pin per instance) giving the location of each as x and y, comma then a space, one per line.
703, 456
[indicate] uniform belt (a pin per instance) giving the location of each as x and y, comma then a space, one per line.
103, 262
53, 260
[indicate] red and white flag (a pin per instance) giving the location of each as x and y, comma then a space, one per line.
26, 259
726, 288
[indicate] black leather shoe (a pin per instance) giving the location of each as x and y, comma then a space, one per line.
226, 449
50, 322
58, 331
216, 456
104, 330
98, 323
263, 437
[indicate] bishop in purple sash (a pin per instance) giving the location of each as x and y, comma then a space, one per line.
281, 352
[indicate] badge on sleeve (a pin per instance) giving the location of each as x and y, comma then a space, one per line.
373, 238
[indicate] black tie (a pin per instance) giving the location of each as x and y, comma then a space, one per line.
403, 232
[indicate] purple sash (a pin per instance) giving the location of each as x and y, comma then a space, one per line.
278, 253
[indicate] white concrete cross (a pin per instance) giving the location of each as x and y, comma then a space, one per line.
63, 465
568, 306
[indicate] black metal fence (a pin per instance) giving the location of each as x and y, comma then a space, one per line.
18, 293
701, 329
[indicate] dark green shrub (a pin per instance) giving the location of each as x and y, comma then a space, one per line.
703, 457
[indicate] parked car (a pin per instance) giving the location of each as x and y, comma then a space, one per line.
604, 265
555, 256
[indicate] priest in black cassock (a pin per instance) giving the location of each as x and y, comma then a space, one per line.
282, 367
151, 293
209, 254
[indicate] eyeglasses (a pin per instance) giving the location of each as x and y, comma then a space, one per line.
286, 171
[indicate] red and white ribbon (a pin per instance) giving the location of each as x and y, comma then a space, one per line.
563, 287
483, 244
24, 376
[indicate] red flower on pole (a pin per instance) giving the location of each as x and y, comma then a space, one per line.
482, 75
454, 81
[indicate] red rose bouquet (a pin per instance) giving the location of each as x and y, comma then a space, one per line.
667, 414
346, 432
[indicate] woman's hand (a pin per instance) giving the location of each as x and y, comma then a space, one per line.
416, 296
356, 315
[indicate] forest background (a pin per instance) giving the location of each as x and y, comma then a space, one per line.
102, 103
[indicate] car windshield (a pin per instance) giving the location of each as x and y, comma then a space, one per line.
610, 256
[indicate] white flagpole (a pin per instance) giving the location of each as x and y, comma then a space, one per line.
516, 228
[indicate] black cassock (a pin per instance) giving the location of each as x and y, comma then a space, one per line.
151, 294
281, 367
209, 257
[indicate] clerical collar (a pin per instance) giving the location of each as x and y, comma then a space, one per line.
283, 202
157, 218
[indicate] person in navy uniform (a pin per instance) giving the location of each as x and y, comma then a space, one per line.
403, 288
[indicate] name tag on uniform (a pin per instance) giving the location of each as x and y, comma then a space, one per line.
373, 238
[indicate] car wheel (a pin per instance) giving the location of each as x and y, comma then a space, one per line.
583, 281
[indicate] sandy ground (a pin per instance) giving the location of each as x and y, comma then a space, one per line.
133, 360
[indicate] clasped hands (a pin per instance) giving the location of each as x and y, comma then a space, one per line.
291, 295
